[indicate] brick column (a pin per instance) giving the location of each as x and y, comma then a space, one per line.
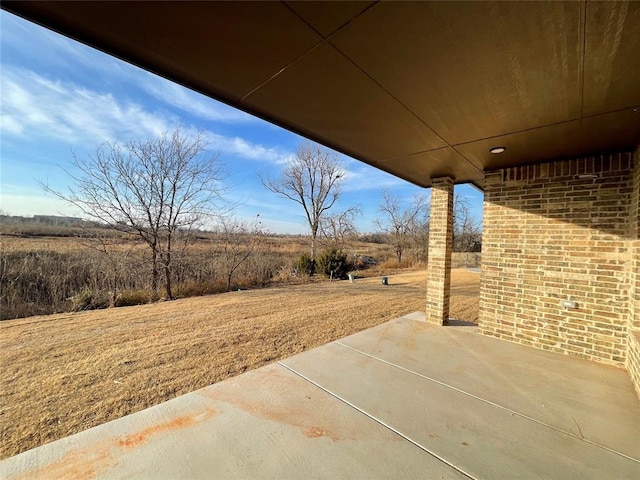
440, 247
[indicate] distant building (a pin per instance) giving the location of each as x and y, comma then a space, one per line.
56, 219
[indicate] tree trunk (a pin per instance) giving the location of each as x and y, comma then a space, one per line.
167, 280
167, 273
114, 289
314, 234
154, 274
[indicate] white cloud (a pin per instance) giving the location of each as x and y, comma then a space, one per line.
279, 226
252, 151
29, 204
360, 177
35, 106
10, 124
190, 101
74, 56
50, 49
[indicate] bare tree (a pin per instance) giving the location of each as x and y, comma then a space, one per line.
238, 241
419, 229
399, 221
160, 189
339, 227
312, 179
467, 232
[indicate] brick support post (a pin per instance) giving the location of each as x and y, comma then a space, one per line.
440, 248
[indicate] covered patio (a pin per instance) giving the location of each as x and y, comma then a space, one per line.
535, 103
406, 399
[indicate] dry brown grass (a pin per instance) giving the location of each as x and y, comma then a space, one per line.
65, 373
294, 245
18, 244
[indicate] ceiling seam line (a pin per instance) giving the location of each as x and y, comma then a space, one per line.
403, 105
516, 132
553, 124
394, 159
385, 168
297, 59
621, 109
286, 67
328, 37
284, 4
420, 152
389, 93
583, 11
481, 170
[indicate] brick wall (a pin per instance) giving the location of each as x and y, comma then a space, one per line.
633, 350
440, 250
550, 236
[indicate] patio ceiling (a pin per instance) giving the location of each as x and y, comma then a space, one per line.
417, 89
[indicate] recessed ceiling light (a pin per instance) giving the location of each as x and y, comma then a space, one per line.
586, 176
497, 150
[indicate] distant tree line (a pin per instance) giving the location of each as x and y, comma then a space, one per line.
145, 204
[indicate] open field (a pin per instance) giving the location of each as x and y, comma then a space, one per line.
67, 372
46, 275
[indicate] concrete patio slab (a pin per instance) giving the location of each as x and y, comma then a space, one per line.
483, 440
268, 423
564, 392
402, 400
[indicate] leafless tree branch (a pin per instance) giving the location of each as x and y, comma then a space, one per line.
159, 188
313, 179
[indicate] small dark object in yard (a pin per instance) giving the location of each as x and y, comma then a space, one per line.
385, 281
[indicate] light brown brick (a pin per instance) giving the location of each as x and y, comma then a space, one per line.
551, 236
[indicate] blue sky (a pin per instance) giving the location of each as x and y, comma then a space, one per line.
60, 98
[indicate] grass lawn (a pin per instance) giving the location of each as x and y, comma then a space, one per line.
64, 373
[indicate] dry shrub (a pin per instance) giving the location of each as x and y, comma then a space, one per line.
42, 282
389, 267
286, 274
127, 298
394, 265
195, 288
305, 265
332, 262
191, 288
89, 299
421, 265
47, 275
